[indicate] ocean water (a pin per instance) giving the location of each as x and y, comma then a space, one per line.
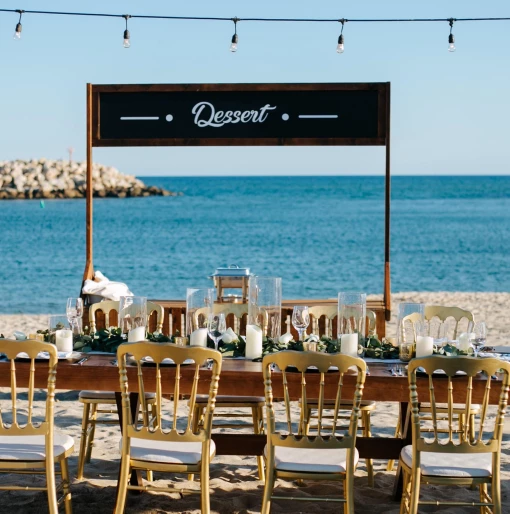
320, 234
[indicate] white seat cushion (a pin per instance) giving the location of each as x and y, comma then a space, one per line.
32, 447
105, 395
312, 460
167, 452
456, 465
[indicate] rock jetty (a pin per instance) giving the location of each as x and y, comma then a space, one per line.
45, 178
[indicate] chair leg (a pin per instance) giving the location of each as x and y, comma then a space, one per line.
404, 502
122, 485
391, 462
367, 432
349, 492
415, 491
204, 489
64, 468
83, 440
496, 493
197, 416
268, 489
258, 429
92, 431
51, 487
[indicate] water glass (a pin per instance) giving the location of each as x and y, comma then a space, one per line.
405, 327
406, 350
300, 319
133, 317
265, 305
199, 305
480, 339
216, 327
74, 311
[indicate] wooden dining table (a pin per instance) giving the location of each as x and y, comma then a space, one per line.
244, 378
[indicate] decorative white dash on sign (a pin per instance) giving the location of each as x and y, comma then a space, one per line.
139, 118
326, 116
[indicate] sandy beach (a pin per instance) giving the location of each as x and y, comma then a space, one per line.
234, 483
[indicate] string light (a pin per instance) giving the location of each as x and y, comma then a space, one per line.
126, 43
235, 37
451, 37
340, 47
17, 32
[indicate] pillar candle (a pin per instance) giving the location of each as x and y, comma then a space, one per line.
349, 344
253, 342
424, 346
198, 338
136, 334
64, 340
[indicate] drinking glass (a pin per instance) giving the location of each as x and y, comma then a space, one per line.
300, 319
480, 331
406, 331
74, 311
216, 327
133, 317
199, 305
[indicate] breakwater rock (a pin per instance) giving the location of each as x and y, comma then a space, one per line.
45, 178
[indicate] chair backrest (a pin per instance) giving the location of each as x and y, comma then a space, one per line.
174, 420
330, 312
462, 320
110, 311
291, 379
446, 386
236, 315
11, 422
442, 321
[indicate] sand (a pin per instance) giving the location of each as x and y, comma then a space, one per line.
235, 487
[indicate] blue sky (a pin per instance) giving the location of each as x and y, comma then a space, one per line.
450, 111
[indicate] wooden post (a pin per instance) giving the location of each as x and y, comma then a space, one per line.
89, 264
387, 274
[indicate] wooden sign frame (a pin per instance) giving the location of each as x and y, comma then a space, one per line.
169, 115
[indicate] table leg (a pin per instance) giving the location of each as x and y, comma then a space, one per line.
406, 435
134, 403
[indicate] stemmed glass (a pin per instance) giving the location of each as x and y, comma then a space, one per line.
300, 319
74, 311
216, 327
480, 330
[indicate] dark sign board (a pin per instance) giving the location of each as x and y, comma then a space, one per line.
240, 114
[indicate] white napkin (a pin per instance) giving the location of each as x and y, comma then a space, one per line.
167, 360
106, 288
45, 355
229, 336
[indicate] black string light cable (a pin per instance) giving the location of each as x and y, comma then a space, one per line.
233, 46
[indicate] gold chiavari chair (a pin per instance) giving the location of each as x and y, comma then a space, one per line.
459, 319
29, 446
226, 404
366, 406
331, 453
455, 458
174, 444
97, 403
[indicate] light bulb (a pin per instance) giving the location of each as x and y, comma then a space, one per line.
17, 33
340, 47
451, 43
126, 43
233, 45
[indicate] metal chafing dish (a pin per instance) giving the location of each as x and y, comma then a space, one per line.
231, 277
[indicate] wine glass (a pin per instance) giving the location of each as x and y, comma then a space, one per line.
300, 319
216, 327
480, 331
74, 311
